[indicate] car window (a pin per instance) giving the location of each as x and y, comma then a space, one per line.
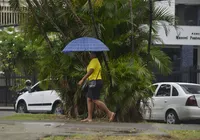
174, 92
36, 88
191, 89
44, 85
155, 87
164, 90
48, 85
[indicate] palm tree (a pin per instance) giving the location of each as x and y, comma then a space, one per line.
115, 31
67, 20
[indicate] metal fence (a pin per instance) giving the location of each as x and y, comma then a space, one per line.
7, 90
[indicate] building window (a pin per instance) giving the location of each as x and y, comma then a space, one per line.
188, 14
175, 56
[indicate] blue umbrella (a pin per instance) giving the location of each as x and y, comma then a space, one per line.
85, 44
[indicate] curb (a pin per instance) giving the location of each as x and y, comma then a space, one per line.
7, 109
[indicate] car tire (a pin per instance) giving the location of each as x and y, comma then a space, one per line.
21, 108
57, 109
172, 117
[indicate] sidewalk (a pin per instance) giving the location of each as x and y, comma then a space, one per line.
15, 130
6, 108
34, 130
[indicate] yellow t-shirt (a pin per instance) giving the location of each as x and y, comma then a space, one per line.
94, 64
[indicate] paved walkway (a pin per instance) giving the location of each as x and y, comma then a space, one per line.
12, 130
6, 113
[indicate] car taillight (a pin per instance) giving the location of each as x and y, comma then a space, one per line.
191, 101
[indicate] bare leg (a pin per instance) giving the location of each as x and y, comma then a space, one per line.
90, 107
102, 105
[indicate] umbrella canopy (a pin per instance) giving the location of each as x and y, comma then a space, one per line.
85, 44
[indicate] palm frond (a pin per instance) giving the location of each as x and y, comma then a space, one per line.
163, 14
161, 60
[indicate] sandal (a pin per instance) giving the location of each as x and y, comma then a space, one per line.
112, 117
86, 120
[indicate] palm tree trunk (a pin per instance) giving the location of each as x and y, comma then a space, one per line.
50, 19
78, 20
98, 37
132, 28
39, 25
150, 25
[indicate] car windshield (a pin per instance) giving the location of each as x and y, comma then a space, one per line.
191, 89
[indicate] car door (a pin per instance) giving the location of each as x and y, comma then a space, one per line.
175, 98
50, 96
177, 101
34, 99
161, 101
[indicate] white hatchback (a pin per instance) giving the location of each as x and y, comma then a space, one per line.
173, 102
39, 100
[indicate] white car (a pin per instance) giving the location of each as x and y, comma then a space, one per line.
38, 100
173, 102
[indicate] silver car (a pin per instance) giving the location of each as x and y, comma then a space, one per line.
173, 102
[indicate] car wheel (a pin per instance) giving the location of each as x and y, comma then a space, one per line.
21, 108
57, 109
172, 117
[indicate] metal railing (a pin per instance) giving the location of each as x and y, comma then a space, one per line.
7, 83
9, 17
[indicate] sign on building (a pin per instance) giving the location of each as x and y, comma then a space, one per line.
183, 35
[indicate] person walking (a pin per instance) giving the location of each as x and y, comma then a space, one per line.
95, 85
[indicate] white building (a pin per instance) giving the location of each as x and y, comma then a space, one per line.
183, 44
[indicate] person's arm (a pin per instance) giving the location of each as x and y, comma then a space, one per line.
86, 76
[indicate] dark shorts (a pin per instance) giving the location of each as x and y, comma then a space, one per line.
94, 93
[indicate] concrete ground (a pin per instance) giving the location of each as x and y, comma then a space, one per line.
6, 113
19, 130
33, 130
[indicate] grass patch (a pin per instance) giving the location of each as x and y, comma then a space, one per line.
46, 117
36, 117
185, 134
83, 137
173, 135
